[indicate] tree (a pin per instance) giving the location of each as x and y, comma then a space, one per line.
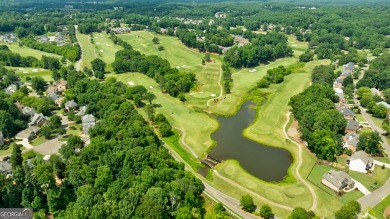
46, 131
226, 87
386, 94
16, 158
182, 97
307, 56
348, 80
266, 212
348, 211
207, 57
165, 129
370, 142
69, 148
98, 67
299, 213
103, 178
246, 203
38, 83
155, 40
149, 96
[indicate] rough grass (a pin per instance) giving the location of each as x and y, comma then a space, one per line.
9, 151
198, 126
26, 51
378, 178
298, 47
383, 159
44, 73
38, 141
379, 209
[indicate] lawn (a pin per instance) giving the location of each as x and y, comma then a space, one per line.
105, 49
88, 50
360, 118
38, 141
24, 72
74, 132
9, 150
26, 51
379, 209
383, 159
198, 126
315, 178
374, 181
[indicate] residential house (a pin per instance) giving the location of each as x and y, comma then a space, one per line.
360, 162
1, 138
51, 89
37, 120
337, 85
345, 74
53, 96
28, 111
8, 38
88, 122
340, 80
375, 91
349, 67
385, 104
341, 97
59, 101
347, 113
5, 167
71, 105
28, 134
352, 126
351, 141
337, 180
11, 89
340, 106
82, 111
62, 86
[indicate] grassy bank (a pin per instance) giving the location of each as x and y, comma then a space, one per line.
27, 51
379, 209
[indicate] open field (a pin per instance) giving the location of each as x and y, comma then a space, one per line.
198, 126
105, 48
379, 209
32, 72
88, 53
26, 51
378, 178
360, 118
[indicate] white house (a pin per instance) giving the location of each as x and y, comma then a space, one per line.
360, 162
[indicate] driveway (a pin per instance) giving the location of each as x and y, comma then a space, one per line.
49, 147
361, 187
381, 164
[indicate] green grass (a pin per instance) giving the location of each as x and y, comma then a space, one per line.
374, 181
378, 122
198, 126
38, 141
383, 159
335, 201
74, 132
26, 51
360, 118
28, 72
298, 47
88, 50
173, 142
105, 49
379, 209
8, 151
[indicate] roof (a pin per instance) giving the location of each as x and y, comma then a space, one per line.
28, 111
341, 106
71, 104
339, 80
340, 95
384, 104
27, 132
346, 112
352, 125
11, 89
345, 73
36, 117
361, 155
53, 96
338, 178
5, 166
352, 138
82, 111
88, 126
338, 90
89, 118
350, 66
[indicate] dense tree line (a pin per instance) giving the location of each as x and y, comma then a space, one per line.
11, 119
378, 76
124, 172
320, 123
369, 101
274, 76
262, 49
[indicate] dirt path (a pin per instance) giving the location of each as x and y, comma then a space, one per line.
220, 92
313, 194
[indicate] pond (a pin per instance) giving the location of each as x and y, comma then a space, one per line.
263, 162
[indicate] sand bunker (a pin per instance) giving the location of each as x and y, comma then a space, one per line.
178, 67
252, 70
101, 50
213, 95
35, 70
131, 83
151, 87
98, 43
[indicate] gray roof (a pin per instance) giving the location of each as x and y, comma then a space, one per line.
11, 89
340, 179
345, 73
339, 80
53, 96
346, 112
88, 119
352, 138
5, 166
37, 117
25, 134
71, 104
88, 126
82, 111
352, 125
384, 104
340, 95
361, 155
350, 66
28, 111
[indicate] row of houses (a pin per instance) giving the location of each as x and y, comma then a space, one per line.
60, 39
8, 38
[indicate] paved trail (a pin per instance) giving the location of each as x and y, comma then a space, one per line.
78, 63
